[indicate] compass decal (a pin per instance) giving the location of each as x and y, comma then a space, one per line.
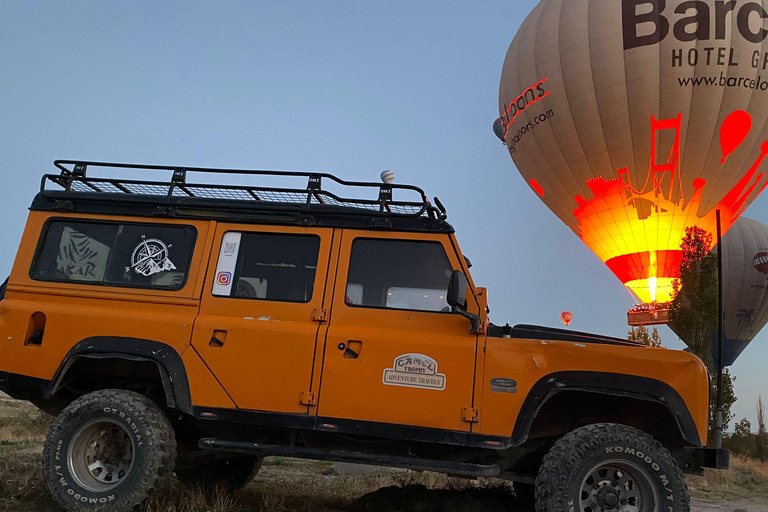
151, 257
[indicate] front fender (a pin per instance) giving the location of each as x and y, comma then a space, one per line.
615, 384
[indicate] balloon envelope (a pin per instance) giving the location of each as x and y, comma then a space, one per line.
499, 129
566, 317
745, 287
635, 119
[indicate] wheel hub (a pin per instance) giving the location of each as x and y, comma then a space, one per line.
607, 497
101, 455
617, 486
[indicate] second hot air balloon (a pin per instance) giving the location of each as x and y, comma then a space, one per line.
633, 120
745, 287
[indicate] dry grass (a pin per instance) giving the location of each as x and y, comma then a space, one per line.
22, 432
177, 498
24, 427
21, 423
20, 477
745, 477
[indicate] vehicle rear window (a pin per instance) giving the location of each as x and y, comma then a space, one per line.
267, 266
398, 274
115, 254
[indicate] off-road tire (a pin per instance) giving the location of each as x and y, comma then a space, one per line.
229, 474
565, 472
152, 451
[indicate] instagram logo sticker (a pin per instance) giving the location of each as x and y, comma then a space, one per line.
224, 278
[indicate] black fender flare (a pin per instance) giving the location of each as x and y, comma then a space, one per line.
615, 384
168, 361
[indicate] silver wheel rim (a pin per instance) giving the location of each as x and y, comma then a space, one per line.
100, 455
617, 486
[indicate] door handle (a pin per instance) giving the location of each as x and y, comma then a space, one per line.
351, 349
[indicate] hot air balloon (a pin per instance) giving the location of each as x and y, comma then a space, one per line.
387, 177
635, 119
566, 317
499, 129
745, 287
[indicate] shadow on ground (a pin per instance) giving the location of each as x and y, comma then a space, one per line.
418, 498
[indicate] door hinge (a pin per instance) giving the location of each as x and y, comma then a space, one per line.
307, 398
470, 415
320, 315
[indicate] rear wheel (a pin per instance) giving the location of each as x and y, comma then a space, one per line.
109, 450
610, 468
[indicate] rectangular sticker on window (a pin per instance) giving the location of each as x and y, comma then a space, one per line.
225, 270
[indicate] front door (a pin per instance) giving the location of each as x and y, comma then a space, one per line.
255, 329
394, 352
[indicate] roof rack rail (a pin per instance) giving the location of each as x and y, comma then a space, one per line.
74, 182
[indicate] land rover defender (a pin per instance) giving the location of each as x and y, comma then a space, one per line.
192, 321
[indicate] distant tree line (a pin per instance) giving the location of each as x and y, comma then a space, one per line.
744, 442
642, 335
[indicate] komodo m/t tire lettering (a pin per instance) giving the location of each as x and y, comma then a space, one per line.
609, 467
109, 450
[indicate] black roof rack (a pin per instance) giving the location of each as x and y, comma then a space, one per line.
179, 194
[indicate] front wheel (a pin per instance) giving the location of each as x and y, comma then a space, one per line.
610, 468
108, 451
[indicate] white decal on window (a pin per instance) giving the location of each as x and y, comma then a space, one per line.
150, 257
225, 269
414, 371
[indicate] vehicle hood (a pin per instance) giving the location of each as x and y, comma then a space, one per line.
552, 334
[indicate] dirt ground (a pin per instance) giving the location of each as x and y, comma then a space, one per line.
287, 485
737, 505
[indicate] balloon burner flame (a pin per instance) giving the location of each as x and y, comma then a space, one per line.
610, 222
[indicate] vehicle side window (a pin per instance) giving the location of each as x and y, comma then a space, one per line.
267, 266
115, 254
398, 274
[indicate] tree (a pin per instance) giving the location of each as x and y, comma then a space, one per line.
656, 338
641, 334
743, 428
693, 314
742, 441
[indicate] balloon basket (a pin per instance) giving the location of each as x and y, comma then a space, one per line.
649, 314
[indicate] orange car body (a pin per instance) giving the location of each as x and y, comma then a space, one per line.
324, 364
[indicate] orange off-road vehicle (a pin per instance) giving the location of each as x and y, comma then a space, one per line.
195, 326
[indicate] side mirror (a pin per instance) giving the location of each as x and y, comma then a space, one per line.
457, 299
457, 291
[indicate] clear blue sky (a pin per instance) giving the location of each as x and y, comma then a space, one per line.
345, 87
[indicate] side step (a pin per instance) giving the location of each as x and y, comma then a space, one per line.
265, 450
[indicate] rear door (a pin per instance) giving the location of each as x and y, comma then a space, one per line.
394, 352
255, 329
